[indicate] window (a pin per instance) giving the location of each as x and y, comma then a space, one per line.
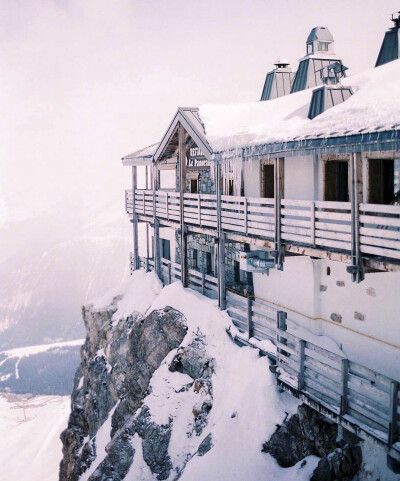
323, 46
309, 48
168, 178
194, 186
207, 263
381, 181
230, 187
165, 249
195, 260
268, 181
336, 186
236, 271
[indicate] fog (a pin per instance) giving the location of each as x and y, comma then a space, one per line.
85, 82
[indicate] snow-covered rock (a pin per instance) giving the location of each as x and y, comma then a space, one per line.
164, 393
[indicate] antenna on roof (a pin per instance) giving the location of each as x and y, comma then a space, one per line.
332, 73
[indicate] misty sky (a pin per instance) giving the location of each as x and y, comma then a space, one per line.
86, 82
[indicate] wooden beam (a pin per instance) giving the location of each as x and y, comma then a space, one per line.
343, 386
393, 416
279, 194
356, 269
156, 236
182, 188
221, 243
135, 221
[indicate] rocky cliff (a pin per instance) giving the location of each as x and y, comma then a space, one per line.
163, 393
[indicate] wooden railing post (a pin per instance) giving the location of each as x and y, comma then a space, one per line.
302, 348
312, 224
344, 387
203, 282
249, 317
169, 273
281, 325
245, 215
393, 416
199, 209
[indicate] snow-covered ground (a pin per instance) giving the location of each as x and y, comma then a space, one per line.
246, 403
30, 427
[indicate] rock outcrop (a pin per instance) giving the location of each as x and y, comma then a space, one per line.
119, 358
308, 433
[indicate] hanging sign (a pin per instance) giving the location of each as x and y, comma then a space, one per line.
196, 160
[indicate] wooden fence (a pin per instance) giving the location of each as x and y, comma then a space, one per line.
171, 272
364, 397
320, 224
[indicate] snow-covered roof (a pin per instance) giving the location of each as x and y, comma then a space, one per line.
320, 33
374, 106
140, 157
228, 128
190, 119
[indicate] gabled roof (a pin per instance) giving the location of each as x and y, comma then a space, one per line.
140, 157
189, 118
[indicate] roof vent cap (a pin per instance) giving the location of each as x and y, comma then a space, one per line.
282, 62
396, 19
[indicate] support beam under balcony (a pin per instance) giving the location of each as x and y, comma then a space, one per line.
357, 268
135, 221
221, 244
156, 223
182, 188
278, 194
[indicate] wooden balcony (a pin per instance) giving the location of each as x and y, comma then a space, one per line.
318, 228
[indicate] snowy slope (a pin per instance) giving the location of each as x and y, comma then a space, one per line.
30, 448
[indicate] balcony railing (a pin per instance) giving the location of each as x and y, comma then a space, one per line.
316, 224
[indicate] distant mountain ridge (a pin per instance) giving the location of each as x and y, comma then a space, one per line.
55, 263
44, 369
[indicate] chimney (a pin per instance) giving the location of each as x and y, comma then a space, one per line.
390, 46
279, 81
332, 93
